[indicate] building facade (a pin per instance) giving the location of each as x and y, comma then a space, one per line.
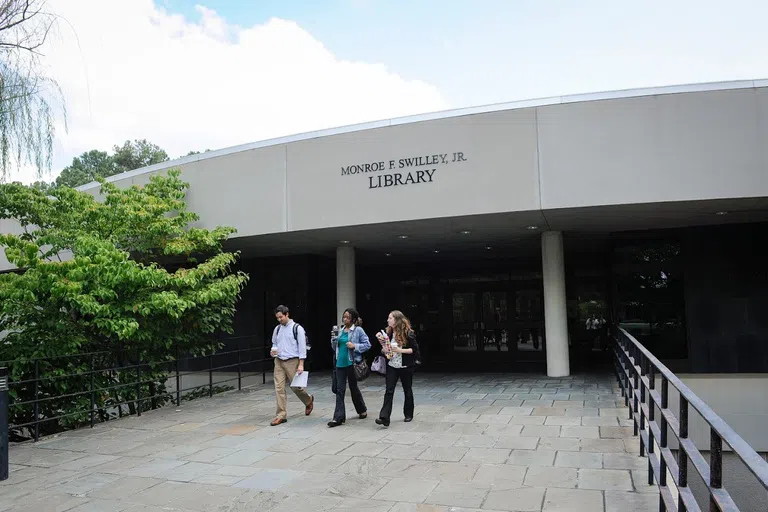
513, 235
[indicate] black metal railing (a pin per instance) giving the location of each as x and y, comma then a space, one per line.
34, 392
637, 370
3, 423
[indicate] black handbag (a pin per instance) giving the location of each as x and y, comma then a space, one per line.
362, 370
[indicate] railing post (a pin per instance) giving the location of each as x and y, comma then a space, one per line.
628, 380
682, 456
651, 375
636, 378
93, 391
210, 373
651, 387
264, 367
651, 406
138, 382
4, 404
663, 428
715, 466
37, 405
620, 371
651, 418
178, 379
239, 370
625, 365
617, 365
663, 441
643, 400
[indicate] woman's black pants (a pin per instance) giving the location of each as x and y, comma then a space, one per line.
344, 375
405, 375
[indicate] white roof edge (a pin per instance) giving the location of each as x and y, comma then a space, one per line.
444, 114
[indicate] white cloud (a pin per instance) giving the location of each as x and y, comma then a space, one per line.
129, 69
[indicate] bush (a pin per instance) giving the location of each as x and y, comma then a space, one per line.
126, 277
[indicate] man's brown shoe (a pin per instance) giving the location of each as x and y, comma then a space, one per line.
308, 409
278, 421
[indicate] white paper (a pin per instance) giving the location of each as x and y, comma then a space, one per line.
300, 380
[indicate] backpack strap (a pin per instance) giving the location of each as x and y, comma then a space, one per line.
295, 332
296, 335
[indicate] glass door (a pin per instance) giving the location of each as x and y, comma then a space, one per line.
480, 321
465, 323
493, 321
528, 335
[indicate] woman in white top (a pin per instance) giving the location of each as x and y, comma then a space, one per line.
402, 350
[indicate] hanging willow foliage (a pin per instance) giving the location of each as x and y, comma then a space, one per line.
27, 97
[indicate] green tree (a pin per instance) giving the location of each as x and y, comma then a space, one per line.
86, 168
43, 186
95, 164
97, 277
138, 154
27, 96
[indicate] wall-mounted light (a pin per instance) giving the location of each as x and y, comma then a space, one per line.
345, 242
721, 213
531, 228
465, 232
402, 237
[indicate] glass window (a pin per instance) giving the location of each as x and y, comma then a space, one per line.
650, 302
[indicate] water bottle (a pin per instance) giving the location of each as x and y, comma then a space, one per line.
335, 333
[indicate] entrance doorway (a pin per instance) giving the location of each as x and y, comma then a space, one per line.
497, 325
475, 316
479, 321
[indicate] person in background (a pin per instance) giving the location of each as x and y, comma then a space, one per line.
402, 350
289, 348
348, 349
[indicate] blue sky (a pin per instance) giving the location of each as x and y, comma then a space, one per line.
234, 72
499, 50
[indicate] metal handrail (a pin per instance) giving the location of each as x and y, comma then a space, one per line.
637, 370
173, 372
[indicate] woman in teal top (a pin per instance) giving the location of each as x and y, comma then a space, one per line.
342, 357
348, 348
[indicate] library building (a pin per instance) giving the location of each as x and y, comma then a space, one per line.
515, 235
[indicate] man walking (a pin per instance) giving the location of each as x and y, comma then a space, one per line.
289, 348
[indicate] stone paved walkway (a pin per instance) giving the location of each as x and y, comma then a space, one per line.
478, 442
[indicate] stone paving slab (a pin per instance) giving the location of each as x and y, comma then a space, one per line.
501, 442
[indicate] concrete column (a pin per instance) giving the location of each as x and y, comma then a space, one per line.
555, 312
346, 291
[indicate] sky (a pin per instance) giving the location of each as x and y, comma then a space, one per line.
208, 74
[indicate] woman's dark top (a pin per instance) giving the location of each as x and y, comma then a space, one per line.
409, 360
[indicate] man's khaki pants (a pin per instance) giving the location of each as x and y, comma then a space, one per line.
284, 373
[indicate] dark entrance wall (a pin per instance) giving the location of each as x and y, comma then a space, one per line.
697, 297
726, 297
304, 283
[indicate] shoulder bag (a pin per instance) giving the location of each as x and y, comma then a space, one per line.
361, 369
